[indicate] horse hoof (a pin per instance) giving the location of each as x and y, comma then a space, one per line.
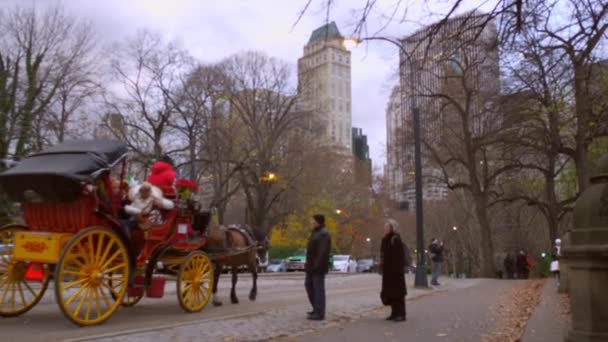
217, 303
235, 301
252, 297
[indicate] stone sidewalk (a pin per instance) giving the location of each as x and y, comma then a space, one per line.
548, 322
465, 315
283, 321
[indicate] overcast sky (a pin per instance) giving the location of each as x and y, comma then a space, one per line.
214, 29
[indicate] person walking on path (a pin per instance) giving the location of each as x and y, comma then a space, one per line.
557, 252
392, 264
509, 265
317, 266
436, 254
521, 263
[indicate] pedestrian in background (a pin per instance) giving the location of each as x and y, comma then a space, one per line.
317, 266
436, 254
521, 263
557, 252
509, 265
392, 266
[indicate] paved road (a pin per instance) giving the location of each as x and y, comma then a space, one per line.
279, 311
464, 315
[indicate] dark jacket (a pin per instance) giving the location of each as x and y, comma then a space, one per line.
509, 264
392, 263
437, 250
521, 263
317, 252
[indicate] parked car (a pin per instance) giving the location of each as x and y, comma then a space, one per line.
366, 266
297, 262
276, 266
344, 263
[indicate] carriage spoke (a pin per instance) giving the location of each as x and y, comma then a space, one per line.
76, 312
30, 289
74, 283
89, 303
99, 247
90, 252
107, 250
74, 296
109, 260
112, 292
78, 273
97, 302
114, 268
23, 302
13, 293
105, 297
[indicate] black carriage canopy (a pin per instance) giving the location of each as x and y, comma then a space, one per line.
57, 173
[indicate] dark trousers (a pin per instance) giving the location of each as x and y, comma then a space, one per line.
315, 288
398, 307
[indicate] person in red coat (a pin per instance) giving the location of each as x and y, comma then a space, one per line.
163, 174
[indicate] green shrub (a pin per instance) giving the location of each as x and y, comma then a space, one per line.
541, 268
283, 252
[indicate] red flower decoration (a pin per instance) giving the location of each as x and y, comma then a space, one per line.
186, 183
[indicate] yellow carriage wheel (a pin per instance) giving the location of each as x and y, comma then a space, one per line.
22, 284
127, 300
195, 282
92, 276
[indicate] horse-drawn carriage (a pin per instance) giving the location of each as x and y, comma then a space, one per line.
73, 235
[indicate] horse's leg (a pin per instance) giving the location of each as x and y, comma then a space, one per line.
216, 280
235, 278
254, 274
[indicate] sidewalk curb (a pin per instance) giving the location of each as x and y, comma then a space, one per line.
162, 327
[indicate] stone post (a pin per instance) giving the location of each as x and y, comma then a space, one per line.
587, 257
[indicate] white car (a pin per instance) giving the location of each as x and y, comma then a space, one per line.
344, 263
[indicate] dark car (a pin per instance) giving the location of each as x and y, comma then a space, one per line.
366, 266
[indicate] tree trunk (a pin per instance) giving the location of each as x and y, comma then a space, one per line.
487, 246
583, 116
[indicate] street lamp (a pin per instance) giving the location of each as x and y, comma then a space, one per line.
338, 211
421, 280
270, 177
455, 228
371, 248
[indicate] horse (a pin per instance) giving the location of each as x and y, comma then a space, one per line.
232, 239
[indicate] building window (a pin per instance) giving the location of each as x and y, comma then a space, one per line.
348, 106
333, 104
340, 106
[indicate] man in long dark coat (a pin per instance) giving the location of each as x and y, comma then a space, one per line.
317, 266
392, 263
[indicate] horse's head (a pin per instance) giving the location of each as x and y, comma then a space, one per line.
263, 244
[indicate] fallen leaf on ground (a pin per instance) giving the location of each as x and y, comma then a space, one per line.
515, 308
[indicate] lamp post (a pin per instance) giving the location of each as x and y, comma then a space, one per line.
371, 248
421, 280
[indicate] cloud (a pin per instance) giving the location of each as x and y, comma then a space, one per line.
212, 30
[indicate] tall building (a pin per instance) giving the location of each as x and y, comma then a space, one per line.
111, 127
438, 62
324, 85
362, 161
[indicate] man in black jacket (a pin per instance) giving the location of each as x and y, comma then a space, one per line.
317, 266
436, 254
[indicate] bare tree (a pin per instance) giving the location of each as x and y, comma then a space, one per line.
262, 100
576, 39
148, 70
40, 55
